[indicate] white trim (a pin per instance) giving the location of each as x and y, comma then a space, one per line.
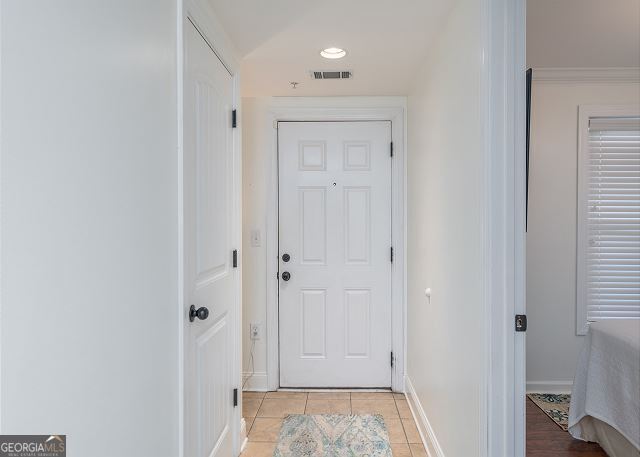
572, 75
243, 435
585, 112
202, 15
427, 433
502, 418
345, 109
256, 382
239, 436
549, 387
485, 107
206, 22
1, 237
180, 43
516, 177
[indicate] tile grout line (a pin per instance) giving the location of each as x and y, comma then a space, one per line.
406, 437
253, 419
259, 407
256, 416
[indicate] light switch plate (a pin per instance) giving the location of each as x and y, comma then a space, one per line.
255, 238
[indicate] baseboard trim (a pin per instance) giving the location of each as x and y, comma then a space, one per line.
257, 382
424, 427
549, 387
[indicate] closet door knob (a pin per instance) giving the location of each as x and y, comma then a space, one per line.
201, 313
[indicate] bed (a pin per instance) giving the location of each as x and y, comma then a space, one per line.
605, 401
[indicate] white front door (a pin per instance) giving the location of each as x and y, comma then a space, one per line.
210, 279
335, 254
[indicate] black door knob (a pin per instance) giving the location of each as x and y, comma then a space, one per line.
201, 313
286, 257
286, 276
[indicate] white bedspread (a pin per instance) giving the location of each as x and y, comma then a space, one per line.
607, 381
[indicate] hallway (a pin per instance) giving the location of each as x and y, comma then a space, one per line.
155, 265
264, 413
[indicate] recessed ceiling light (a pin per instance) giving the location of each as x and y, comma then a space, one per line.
333, 53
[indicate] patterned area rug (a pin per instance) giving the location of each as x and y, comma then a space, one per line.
556, 406
333, 435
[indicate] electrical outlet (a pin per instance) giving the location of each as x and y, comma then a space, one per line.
254, 331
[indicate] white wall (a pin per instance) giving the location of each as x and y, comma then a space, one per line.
89, 224
552, 344
445, 237
257, 140
583, 33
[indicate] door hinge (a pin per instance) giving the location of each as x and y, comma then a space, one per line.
235, 258
234, 119
391, 149
521, 322
235, 397
392, 359
391, 256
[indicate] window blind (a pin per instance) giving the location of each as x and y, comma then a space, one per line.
613, 219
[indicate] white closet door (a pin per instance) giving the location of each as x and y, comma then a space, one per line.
210, 280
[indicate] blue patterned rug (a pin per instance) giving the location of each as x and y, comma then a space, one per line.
333, 435
556, 406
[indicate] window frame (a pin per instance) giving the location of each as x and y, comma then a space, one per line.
585, 113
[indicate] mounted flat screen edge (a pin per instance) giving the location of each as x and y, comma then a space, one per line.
528, 97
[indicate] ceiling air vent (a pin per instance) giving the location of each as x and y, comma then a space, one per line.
331, 75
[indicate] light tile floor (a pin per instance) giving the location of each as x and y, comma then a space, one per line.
264, 414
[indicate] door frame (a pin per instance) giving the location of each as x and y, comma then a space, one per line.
204, 19
341, 109
503, 103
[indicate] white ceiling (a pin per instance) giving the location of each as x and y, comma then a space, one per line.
280, 40
583, 33
388, 40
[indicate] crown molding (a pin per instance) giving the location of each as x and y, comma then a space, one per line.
608, 75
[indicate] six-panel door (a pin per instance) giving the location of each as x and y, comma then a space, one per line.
335, 224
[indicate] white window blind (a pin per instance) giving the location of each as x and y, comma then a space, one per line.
611, 218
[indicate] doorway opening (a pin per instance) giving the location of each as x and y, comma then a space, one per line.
359, 132
582, 256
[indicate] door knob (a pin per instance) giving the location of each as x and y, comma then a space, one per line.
201, 313
286, 276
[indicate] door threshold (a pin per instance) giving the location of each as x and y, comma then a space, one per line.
335, 389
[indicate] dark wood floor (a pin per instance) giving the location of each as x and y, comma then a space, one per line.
546, 439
